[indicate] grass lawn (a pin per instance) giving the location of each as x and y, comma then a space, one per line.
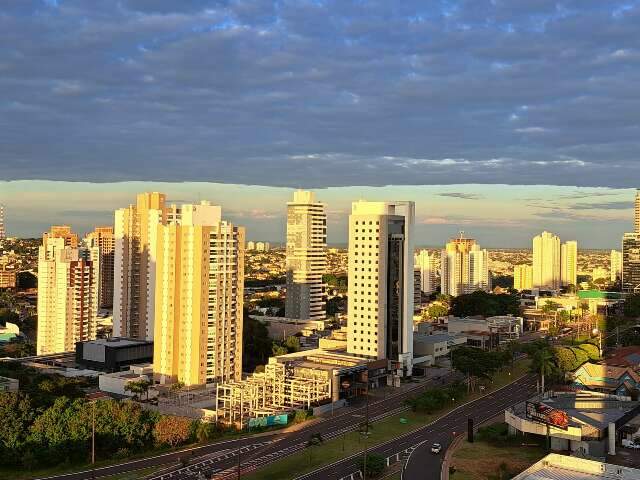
481, 460
386, 429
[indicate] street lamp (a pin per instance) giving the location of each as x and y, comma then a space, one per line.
596, 331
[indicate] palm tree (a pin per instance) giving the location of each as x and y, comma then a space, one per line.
542, 363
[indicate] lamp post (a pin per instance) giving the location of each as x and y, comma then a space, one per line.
596, 331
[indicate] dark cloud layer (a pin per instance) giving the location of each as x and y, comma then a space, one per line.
321, 92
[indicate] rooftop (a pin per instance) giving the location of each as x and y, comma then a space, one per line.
562, 467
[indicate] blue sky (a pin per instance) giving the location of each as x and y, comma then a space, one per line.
496, 215
407, 96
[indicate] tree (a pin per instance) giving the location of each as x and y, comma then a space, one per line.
437, 310
565, 359
591, 350
292, 344
16, 416
542, 363
581, 356
278, 349
256, 344
173, 431
486, 304
138, 387
375, 464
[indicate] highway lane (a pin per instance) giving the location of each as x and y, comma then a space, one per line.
284, 444
422, 464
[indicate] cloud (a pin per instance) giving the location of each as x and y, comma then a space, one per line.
321, 93
465, 196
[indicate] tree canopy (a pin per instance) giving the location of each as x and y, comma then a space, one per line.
486, 304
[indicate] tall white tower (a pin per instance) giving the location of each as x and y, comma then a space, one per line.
546, 261
569, 258
381, 282
425, 263
306, 257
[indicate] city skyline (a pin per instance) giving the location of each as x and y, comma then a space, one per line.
508, 216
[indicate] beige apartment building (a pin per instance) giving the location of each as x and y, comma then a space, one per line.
64, 232
381, 282
306, 257
67, 294
569, 267
522, 277
102, 238
135, 241
199, 283
425, 262
546, 261
615, 268
464, 267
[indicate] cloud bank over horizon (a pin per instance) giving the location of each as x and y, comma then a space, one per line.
325, 93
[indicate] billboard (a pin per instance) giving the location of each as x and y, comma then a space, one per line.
542, 413
268, 421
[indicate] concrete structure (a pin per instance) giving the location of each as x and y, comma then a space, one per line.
464, 267
381, 282
569, 263
436, 346
135, 235
522, 277
425, 262
306, 257
631, 262
294, 381
8, 332
102, 238
616, 265
116, 382
9, 384
588, 414
546, 261
67, 294
199, 297
486, 332
3, 233
563, 467
113, 354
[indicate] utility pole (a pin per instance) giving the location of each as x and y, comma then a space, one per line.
93, 433
366, 425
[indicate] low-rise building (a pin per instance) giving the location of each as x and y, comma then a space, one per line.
116, 382
9, 384
572, 468
607, 379
113, 354
580, 422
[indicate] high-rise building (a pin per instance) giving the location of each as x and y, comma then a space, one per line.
381, 282
64, 232
569, 265
102, 238
3, 233
251, 245
67, 295
636, 222
263, 246
306, 257
199, 298
631, 262
616, 265
546, 261
426, 263
135, 235
464, 267
522, 277
417, 289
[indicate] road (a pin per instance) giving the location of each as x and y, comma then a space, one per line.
219, 460
422, 464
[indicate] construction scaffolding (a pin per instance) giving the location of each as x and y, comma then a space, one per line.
282, 387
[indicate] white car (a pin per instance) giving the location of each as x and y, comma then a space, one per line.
436, 448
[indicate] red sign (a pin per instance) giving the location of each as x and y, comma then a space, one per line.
542, 413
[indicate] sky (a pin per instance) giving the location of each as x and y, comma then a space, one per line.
501, 117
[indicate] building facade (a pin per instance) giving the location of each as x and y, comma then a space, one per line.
64, 232
199, 298
464, 267
631, 262
636, 220
381, 282
67, 296
425, 262
3, 232
569, 267
546, 261
522, 277
306, 257
102, 238
135, 238
615, 268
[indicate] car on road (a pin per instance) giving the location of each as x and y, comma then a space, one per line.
436, 448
